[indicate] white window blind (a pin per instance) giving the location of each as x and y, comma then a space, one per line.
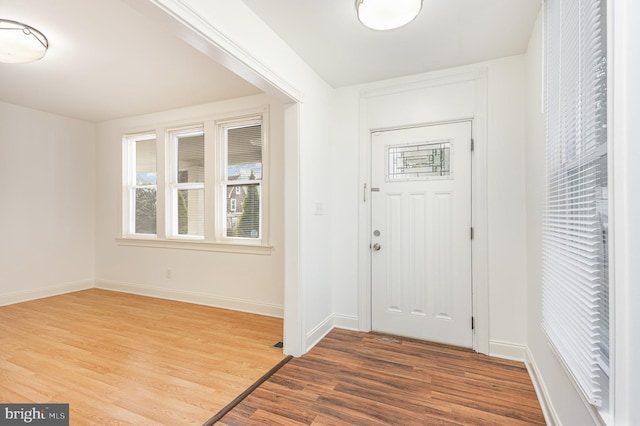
575, 262
243, 179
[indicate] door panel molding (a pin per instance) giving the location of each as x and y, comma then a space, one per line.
423, 214
425, 96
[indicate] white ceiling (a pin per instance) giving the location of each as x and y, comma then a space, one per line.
107, 60
446, 33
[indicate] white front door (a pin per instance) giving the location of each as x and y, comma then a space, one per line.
420, 234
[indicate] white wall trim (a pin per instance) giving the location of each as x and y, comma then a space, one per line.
507, 350
364, 222
294, 318
346, 322
202, 34
314, 336
196, 245
480, 262
241, 305
624, 63
423, 81
42, 292
550, 415
480, 215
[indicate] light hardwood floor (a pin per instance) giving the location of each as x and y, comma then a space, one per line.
353, 378
124, 359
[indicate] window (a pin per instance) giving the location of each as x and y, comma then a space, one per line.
243, 175
186, 184
575, 300
141, 181
209, 188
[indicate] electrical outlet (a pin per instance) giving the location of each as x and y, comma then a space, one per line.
169, 273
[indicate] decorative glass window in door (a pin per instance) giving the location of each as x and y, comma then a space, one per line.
419, 161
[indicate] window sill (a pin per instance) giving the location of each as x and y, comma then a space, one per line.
195, 245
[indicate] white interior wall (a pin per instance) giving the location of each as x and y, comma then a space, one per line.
506, 207
230, 23
407, 104
48, 192
316, 220
251, 282
346, 197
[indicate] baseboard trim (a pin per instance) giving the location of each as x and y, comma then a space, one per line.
507, 350
318, 333
42, 292
347, 322
550, 415
196, 298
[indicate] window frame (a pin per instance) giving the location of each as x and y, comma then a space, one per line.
173, 186
130, 183
215, 208
222, 181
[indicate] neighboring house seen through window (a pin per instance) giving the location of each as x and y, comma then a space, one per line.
243, 179
217, 164
141, 181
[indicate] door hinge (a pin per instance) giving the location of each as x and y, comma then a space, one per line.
472, 232
473, 323
473, 144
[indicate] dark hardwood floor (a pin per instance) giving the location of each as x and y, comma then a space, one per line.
353, 378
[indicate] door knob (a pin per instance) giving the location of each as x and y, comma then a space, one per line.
376, 246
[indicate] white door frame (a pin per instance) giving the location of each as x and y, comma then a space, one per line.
479, 202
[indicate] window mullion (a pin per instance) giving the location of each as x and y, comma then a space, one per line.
161, 194
130, 198
186, 183
210, 173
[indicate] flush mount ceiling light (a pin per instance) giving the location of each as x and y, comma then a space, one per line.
387, 14
21, 43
